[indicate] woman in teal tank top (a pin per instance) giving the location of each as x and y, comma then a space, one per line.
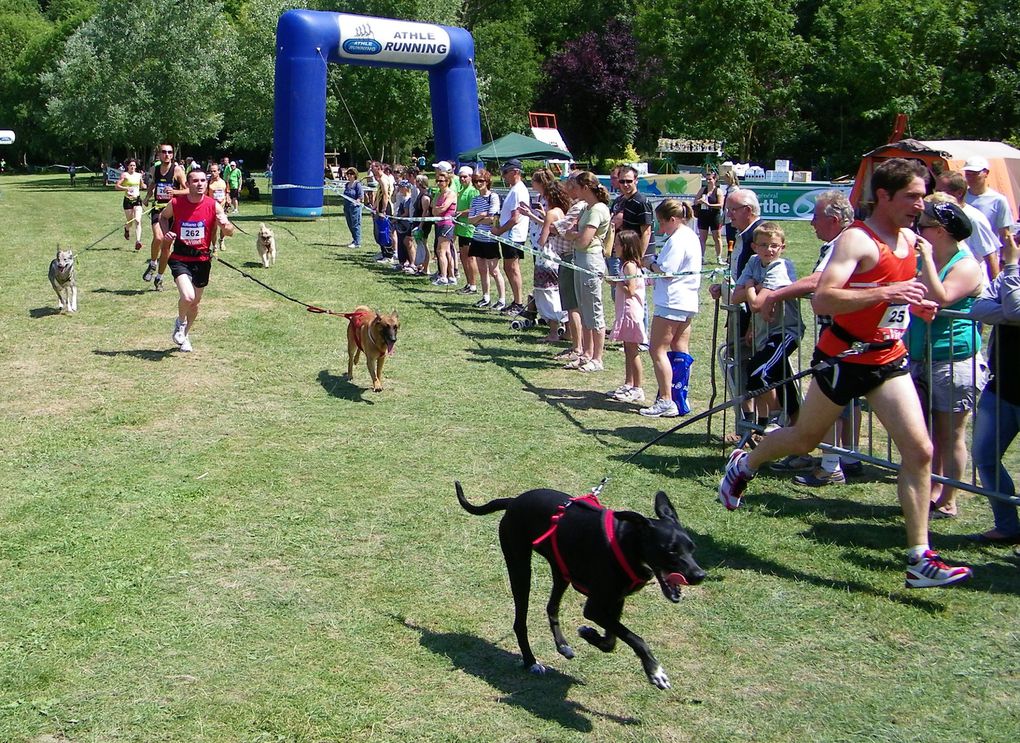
949, 378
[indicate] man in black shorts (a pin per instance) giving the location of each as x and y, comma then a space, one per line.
869, 288
196, 218
166, 180
513, 224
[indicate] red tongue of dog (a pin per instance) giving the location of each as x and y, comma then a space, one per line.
390, 350
675, 579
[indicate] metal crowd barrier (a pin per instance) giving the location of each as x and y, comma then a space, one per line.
732, 356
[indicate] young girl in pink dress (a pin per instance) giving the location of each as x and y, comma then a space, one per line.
629, 328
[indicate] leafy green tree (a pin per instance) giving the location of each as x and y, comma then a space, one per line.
723, 70
508, 68
869, 61
141, 72
982, 76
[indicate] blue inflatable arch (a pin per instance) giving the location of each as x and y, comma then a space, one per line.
306, 40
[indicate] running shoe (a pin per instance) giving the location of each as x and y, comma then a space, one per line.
793, 463
928, 571
615, 394
467, 290
157, 283
634, 394
186, 345
149, 272
483, 302
661, 408
180, 331
500, 305
851, 468
818, 478
734, 481
514, 309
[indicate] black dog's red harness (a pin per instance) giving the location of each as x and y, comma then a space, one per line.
608, 526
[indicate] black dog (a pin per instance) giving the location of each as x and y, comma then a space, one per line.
605, 555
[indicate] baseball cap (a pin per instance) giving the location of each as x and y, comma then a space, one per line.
443, 166
465, 170
951, 217
404, 184
513, 164
233, 163
976, 164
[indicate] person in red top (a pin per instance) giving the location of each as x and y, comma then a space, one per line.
870, 288
196, 218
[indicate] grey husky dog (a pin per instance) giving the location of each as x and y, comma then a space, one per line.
62, 279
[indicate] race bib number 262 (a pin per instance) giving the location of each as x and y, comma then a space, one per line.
193, 233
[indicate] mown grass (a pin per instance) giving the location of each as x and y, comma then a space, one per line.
240, 545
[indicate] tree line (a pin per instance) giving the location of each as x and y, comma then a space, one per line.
814, 81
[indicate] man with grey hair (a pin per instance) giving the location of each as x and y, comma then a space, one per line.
832, 214
744, 211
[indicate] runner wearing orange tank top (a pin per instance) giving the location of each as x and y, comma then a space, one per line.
869, 287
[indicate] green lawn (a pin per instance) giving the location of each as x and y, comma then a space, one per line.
241, 545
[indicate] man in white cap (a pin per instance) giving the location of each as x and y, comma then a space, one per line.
989, 202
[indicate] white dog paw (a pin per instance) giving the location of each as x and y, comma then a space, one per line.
536, 668
659, 679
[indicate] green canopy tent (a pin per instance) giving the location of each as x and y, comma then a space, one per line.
515, 145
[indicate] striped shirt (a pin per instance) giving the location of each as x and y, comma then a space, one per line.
484, 205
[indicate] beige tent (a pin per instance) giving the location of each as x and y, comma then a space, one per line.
951, 154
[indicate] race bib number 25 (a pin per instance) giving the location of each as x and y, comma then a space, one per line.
895, 321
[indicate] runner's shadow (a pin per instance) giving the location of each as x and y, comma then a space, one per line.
145, 354
739, 557
37, 312
543, 696
340, 387
122, 292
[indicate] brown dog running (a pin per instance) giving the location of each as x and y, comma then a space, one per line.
373, 334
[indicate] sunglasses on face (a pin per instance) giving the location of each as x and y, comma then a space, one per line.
625, 181
166, 152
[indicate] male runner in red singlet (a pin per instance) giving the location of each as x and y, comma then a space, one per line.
869, 287
166, 180
195, 217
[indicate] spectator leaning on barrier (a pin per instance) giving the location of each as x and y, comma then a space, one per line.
949, 379
832, 214
464, 230
997, 420
512, 224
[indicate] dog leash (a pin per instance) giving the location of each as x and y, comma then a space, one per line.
310, 307
856, 348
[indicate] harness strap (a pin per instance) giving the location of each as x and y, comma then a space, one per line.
849, 338
358, 320
608, 524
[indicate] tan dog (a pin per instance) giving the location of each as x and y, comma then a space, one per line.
373, 334
265, 243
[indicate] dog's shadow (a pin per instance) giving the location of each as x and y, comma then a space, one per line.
145, 354
37, 312
543, 696
340, 387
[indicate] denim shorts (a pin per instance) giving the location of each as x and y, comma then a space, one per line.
954, 385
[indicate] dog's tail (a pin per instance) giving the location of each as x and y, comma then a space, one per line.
492, 506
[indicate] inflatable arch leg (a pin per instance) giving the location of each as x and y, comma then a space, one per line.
306, 40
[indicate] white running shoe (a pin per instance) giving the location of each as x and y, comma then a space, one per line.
186, 345
661, 408
930, 572
634, 394
615, 394
180, 331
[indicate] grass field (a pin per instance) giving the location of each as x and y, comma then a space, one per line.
239, 544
